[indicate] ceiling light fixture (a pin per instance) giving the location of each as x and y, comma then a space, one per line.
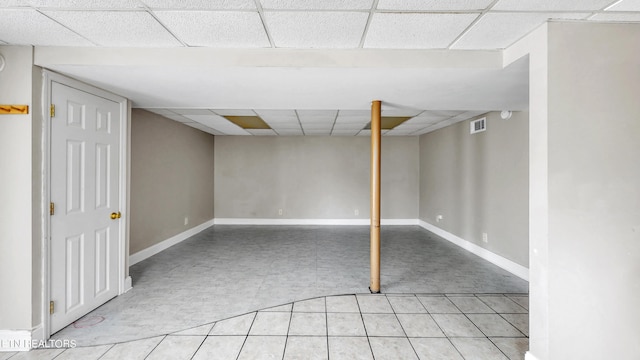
506, 114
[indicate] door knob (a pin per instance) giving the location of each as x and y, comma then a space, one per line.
115, 215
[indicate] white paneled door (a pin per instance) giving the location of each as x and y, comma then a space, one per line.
85, 220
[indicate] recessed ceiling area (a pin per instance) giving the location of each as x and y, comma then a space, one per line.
307, 67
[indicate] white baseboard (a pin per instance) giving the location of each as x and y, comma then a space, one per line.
15, 340
516, 269
128, 284
250, 221
529, 356
152, 250
37, 333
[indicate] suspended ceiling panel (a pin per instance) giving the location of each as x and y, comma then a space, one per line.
216, 29
499, 30
317, 4
27, 26
307, 67
416, 31
434, 5
316, 29
114, 28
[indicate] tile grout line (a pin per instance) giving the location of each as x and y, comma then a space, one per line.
105, 353
364, 326
155, 347
199, 346
255, 314
286, 339
406, 336
465, 315
326, 319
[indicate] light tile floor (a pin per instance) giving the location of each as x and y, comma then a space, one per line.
363, 326
229, 270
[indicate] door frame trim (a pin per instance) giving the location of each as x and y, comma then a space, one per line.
124, 280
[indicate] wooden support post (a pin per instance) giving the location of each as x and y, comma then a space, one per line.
374, 285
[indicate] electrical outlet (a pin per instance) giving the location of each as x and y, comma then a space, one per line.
356, 212
485, 237
279, 211
186, 220
439, 218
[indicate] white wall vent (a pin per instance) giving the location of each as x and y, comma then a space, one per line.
479, 125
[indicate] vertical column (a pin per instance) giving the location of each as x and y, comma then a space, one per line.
374, 285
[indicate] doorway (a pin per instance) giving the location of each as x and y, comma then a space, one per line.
87, 172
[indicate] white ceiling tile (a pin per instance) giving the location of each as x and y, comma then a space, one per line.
317, 132
192, 111
344, 132
317, 126
286, 128
633, 17
355, 112
395, 132
201, 4
230, 112
209, 120
29, 27
276, 113
161, 111
315, 116
551, 5
349, 126
178, 118
216, 28
429, 117
86, 4
289, 132
317, 4
294, 29
499, 30
433, 5
400, 112
364, 133
262, 132
205, 128
626, 5
416, 31
12, 3
116, 28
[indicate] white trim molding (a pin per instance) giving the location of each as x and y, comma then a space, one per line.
252, 221
506, 264
529, 356
15, 340
154, 249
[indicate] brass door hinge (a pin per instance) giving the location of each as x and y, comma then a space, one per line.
53, 110
51, 307
52, 208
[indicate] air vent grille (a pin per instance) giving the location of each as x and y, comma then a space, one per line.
479, 125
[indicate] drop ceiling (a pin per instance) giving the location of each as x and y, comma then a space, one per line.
305, 67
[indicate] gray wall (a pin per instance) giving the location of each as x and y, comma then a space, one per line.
594, 191
312, 177
479, 183
171, 178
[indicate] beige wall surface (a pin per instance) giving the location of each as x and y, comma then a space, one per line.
479, 183
594, 191
312, 177
17, 234
171, 178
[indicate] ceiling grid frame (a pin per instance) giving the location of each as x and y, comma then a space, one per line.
606, 10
